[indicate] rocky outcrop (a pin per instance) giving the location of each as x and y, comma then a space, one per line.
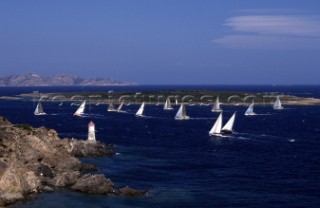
34, 160
32, 79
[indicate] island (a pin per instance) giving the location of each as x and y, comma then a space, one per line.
33, 79
191, 97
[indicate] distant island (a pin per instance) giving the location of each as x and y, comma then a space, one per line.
32, 79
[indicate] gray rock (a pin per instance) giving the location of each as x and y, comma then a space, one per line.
94, 184
128, 191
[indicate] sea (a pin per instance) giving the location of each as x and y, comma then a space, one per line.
272, 159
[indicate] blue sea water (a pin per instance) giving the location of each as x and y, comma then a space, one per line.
273, 159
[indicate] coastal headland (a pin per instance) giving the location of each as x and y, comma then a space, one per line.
35, 160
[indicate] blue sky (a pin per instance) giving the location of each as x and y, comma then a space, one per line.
164, 41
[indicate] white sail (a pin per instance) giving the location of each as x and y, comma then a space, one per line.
216, 128
120, 106
167, 105
80, 110
216, 106
182, 114
39, 110
277, 105
140, 111
111, 106
249, 111
228, 127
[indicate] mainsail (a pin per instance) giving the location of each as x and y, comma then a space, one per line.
80, 110
39, 110
216, 106
167, 105
216, 128
277, 105
249, 111
111, 106
140, 111
182, 114
120, 106
228, 127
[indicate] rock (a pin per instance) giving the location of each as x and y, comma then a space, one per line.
66, 179
94, 184
45, 171
81, 148
46, 189
89, 167
127, 191
9, 198
17, 179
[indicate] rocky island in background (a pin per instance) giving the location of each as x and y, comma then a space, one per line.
32, 79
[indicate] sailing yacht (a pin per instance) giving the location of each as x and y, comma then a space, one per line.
182, 114
216, 106
120, 106
228, 127
39, 110
216, 128
249, 111
80, 110
167, 105
111, 106
140, 111
277, 105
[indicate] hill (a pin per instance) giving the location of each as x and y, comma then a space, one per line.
32, 79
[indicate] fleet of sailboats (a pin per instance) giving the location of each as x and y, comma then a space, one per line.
80, 110
182, 114
277, 105
140, 111
216, 106
216, 130
249, 111
39, 110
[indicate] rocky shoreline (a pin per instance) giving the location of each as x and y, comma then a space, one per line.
34, 160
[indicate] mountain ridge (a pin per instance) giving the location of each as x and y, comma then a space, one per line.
34, 79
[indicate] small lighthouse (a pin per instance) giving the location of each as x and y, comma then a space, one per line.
91, 132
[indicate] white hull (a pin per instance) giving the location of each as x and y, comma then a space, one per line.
250, 114
40, 114
277, 108
183, 118
216, 135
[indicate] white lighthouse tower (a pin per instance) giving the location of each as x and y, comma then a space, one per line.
91, 132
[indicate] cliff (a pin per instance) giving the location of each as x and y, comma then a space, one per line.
33, 79
34, 160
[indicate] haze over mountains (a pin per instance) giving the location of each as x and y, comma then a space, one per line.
32, 79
